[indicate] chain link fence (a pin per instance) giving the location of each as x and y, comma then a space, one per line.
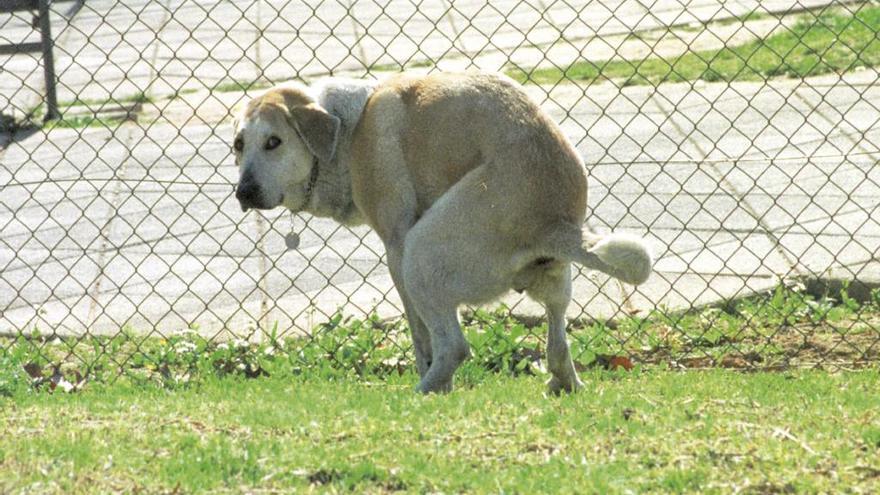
739, 137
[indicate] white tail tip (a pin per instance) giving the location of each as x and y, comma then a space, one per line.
627, 254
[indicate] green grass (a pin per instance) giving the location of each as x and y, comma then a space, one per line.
338, 412
81, 122
781, 329
95, 119
228, 85
659, 432
835, 40
98, 104
237, 85
753, 15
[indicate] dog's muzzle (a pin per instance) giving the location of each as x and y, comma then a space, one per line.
250, 195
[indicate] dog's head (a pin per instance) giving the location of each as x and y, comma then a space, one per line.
279, 137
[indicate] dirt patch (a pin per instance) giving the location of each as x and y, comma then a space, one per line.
805, 345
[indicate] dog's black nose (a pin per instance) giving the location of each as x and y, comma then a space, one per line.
248, 193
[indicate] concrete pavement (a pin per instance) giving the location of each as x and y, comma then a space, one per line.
116, 50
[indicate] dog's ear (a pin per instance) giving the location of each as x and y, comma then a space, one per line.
237, 113
319, 129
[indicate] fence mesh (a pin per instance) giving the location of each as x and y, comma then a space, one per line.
739, 137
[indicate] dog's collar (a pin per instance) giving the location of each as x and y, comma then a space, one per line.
313, 179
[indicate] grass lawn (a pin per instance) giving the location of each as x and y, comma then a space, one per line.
701, 432
338, 412
834, 40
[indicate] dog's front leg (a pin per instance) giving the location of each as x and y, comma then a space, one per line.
420, 335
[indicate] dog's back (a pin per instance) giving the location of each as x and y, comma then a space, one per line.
445, 125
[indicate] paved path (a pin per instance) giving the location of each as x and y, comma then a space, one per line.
126, 234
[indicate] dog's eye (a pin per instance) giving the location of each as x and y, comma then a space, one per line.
238, 144
272, 142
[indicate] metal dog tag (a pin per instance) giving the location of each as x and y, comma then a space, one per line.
292, 240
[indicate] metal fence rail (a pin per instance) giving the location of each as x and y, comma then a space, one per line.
740, 137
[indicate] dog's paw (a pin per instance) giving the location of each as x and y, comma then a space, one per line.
434, 387
556, 386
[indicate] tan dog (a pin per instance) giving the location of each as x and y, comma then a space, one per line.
473, 189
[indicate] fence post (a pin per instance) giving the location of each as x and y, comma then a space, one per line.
48, 61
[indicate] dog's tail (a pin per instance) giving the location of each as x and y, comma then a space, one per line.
623, 256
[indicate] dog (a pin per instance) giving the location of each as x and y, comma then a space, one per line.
472, 188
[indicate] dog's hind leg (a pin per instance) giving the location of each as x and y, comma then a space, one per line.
552, 288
